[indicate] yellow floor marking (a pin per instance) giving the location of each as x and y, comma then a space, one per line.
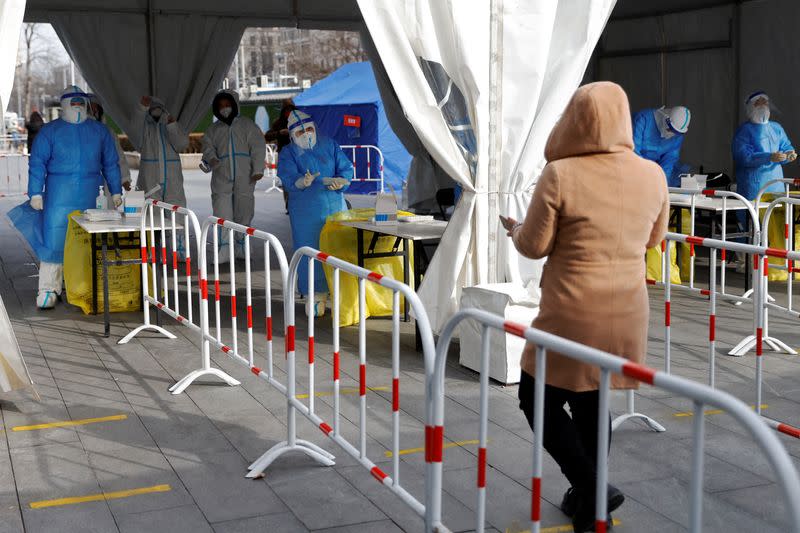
713, 411
69, 423
341, 391
557, 529
420, 450
100, 497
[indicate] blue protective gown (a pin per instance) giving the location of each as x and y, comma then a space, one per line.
752, 146
67, 166
310, 207
649, 143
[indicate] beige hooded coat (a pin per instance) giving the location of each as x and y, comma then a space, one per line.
596, 208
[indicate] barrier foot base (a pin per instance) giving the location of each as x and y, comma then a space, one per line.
652, 424
749, 343
158, 329
181, 385
309, 448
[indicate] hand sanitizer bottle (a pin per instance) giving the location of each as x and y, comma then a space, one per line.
100, 201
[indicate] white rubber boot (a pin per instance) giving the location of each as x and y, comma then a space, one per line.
51, 277
319, 301
46, 299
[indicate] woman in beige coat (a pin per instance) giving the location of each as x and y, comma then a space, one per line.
596, 208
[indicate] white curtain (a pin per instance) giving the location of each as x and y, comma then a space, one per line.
11, 13
483, 83
192, 55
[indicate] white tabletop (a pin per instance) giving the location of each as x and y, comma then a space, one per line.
704, 203
415, 231
123, 225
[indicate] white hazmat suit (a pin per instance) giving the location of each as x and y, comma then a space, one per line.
234, 148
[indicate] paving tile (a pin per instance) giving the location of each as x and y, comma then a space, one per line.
186, 519
274, 523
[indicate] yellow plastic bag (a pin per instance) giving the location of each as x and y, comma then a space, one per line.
777, 237
654, 259
124, 282
342, 242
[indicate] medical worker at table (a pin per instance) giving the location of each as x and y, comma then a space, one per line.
68, 163
760, 149
658, 137
315, 172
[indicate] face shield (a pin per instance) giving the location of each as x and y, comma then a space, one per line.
74, 108
758, 108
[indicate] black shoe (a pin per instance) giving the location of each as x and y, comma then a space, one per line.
584, 517
569, 503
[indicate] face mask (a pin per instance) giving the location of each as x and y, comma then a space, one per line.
156, 113
759, 115
225, 112
74, 114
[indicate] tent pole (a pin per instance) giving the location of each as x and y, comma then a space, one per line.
495, 110
151, 52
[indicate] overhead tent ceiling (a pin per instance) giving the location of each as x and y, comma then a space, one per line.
312, 14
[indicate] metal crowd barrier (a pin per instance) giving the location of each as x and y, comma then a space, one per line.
369, 159
271, 169
231, 346
357, 450
701, 396
14, 175
187, 231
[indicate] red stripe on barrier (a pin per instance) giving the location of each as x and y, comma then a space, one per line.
378, 474
250, 231
144, 254
290, 339
180, 318
759, 341
791, 266
755, 262
639, 372
152, 254
374, 276
160, 305
155, 202
164, 254
695, 240
433, 443
709, 192
249, 317
188, 267
311, 350
723, 255
335, 366
174, 260
786, 231
481, 468
705, 292
650, 281
663, 246
221, 221
216, 289
777, 252
766, 267
269, 328
204, 289
666, 314
536, 499
326, 428
789, 430
600, 526
362, 380
174, 207
514, 328
396, 394
712, 325
691, 250
255, 370
322, 256
226, 349
233, 306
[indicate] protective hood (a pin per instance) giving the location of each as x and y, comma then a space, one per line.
233, 95
74, 105
596, 120
299, 120
157, 104
757, 114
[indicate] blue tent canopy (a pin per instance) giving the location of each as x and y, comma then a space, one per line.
347, 106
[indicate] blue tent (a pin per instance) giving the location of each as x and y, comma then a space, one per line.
347, 106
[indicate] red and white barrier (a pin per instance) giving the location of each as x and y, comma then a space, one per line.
186, 230
357, 450
373, 157
271, 169
231, 346
13, 175
700, 395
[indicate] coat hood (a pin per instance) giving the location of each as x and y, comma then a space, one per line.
596, 120
233, 95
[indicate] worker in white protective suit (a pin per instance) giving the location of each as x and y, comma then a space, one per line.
97, 112
235, 151
160, 140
